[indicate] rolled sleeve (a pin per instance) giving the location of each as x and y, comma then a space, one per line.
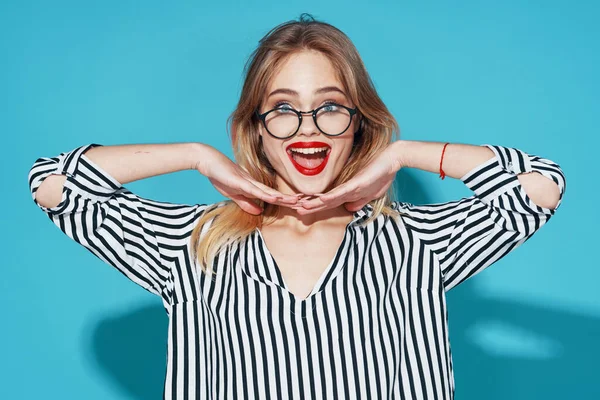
498, 176
84, 179
472, 233
137, 236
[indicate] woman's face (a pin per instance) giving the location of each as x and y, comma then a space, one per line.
306, 81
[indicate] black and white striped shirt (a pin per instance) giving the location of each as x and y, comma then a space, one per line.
375, 324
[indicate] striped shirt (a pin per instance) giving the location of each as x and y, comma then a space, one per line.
375, 324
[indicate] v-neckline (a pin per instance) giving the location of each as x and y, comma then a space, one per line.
330, 271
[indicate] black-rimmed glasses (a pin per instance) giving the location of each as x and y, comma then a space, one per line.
284, 122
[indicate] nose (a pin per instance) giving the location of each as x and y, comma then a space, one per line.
308, 126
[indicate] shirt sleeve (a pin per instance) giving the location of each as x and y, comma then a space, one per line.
135, 235
472, 233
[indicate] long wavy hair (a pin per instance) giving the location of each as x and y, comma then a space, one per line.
226, 223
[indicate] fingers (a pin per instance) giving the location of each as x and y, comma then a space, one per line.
311, 204
248, 189
344, 191
242, 191
247, 205
273, 196
283, 198
350, 206
340, 195
303, 211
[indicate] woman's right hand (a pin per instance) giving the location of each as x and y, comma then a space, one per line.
235, 183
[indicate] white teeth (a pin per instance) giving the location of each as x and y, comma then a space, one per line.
309, 150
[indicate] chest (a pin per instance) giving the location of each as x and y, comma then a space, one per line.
303, 259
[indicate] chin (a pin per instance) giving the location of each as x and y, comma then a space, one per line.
308, 185
310, 188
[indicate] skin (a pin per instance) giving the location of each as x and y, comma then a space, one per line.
307, 71
315, 235
304, 73
308, 232
128, 163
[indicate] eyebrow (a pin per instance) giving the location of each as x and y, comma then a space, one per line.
322, 90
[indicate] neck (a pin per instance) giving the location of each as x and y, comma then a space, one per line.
289, 218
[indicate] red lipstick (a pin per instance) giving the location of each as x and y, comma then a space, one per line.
304, 145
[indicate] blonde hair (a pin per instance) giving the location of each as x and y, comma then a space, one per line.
228, 222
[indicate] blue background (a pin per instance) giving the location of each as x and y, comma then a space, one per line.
507, 73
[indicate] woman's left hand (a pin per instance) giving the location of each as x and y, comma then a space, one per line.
367, 185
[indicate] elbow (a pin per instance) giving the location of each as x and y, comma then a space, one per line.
550, 199
543, 191
49, 193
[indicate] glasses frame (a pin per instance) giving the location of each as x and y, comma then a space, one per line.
262, 117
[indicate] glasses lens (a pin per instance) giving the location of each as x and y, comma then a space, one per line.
333, 119
282, 122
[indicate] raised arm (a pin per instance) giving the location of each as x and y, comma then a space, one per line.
135, 235
543, 188
82, 192
124, 163
515, 195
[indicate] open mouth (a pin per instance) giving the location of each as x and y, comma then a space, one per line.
309, 158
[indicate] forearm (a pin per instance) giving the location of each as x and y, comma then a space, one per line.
462, 158
128, 163
132, 162
458, 158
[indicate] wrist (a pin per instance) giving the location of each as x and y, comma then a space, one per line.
401, 152
198, 157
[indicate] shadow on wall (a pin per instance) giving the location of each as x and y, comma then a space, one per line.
556, 359
130, 349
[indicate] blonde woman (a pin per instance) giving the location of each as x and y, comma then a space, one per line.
310, 281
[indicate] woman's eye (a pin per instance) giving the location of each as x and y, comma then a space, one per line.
330, 107
283, 107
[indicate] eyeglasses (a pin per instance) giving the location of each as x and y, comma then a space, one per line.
284, 122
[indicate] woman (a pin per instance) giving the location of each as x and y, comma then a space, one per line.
310, 282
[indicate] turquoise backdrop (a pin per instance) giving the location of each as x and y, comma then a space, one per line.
514, 73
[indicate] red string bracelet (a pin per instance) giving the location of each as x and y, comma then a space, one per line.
442, 173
